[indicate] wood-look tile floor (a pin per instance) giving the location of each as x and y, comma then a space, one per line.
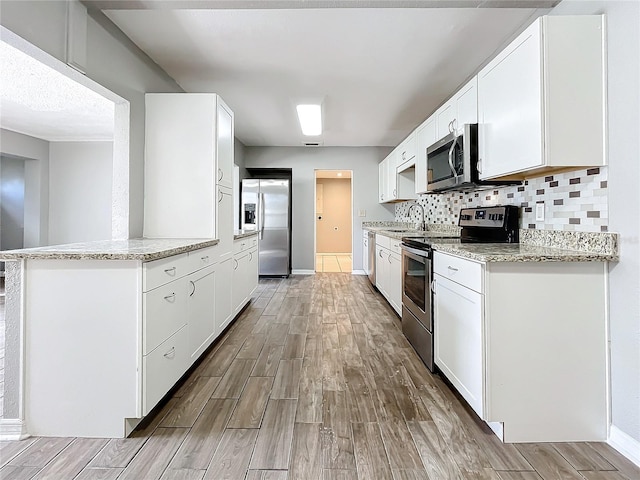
314, 381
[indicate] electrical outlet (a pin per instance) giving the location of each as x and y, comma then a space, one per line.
540, 212
362, 213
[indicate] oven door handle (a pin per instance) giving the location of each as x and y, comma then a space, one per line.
414, 252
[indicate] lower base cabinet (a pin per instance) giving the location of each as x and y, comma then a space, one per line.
201, 310
525, 344
389, 271
245, 271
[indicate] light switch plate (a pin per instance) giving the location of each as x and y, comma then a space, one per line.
540, 212
362, 213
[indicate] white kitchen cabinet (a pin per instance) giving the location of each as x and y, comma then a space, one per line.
525, 344
224, 292
459, 339
461, 108
252, 280
425, 137
201, 310
188, 157
541, 101
394, 186
225, 213
107, 339
365, 251
240, 277
389, 271
407, 152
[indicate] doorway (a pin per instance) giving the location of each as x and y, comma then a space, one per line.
333, 213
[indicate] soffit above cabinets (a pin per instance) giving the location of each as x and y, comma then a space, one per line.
380, 71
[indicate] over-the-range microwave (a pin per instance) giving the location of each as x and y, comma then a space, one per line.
452, 163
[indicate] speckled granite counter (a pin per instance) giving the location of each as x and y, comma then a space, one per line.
144, 249
519, 252
238, 234
397, 232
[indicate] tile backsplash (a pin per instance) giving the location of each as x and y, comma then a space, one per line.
574, 201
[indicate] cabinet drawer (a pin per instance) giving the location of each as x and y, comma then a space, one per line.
462, 271
165, 270
394, 245
383, 241
202, 258
163, 313
162, 368
246, 243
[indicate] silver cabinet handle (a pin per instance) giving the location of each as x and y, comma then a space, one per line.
220, 197
170, 271
433, 286
171, 353
206, 257
194, 288
389, 258
404, 155
220, 174
250, 256
394, 193
170, 298
380, 253
235, 267
479, 165
452, 268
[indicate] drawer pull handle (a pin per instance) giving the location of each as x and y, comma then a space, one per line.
206, 257
194, 288
220, 174
235, 266
170, 298
171, 353
452, 268
250, 256
170, 271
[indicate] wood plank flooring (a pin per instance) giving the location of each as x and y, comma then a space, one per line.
314, 381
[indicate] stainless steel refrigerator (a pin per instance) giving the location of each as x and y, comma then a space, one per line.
266, 207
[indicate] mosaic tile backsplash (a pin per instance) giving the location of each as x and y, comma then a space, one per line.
574, 201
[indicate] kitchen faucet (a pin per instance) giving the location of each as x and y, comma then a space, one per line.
423, 225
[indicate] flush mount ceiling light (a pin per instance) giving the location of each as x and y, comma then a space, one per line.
310, 117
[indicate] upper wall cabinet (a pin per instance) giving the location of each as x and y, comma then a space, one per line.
541, 101
407, 152
188, 164
395, 184
461, 108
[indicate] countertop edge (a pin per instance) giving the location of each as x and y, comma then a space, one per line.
105, 255
239, 235
561, 256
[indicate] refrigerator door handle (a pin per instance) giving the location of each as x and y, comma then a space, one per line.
261, 227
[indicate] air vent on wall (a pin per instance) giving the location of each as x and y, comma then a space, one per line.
312, 144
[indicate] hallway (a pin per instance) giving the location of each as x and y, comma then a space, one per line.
314, 381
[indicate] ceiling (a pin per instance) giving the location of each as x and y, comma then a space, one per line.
379, 72
38, 101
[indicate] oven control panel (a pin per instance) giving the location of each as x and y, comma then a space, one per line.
498, 216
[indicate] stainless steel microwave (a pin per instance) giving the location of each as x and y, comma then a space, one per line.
452, 162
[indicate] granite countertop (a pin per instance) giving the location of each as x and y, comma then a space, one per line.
519, 252
144, 249
238, 234
392, 231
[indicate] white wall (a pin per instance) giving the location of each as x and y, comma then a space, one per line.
112, 61
303, 161
36, 189
623, 39
80, 176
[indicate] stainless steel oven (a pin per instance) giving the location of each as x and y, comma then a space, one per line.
417, 321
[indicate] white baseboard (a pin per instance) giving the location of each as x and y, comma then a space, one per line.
302, 272
358, 272
12, 429
625, 444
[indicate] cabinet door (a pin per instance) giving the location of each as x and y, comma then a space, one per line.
445, 115
395, 282
392, 179
201, 310
381, 270
224, 147
458, 330
510, 108
466, 106
407, 151
425, 137
224, 308
240, 277
365, 254
382, 180
252, 276
225, 222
